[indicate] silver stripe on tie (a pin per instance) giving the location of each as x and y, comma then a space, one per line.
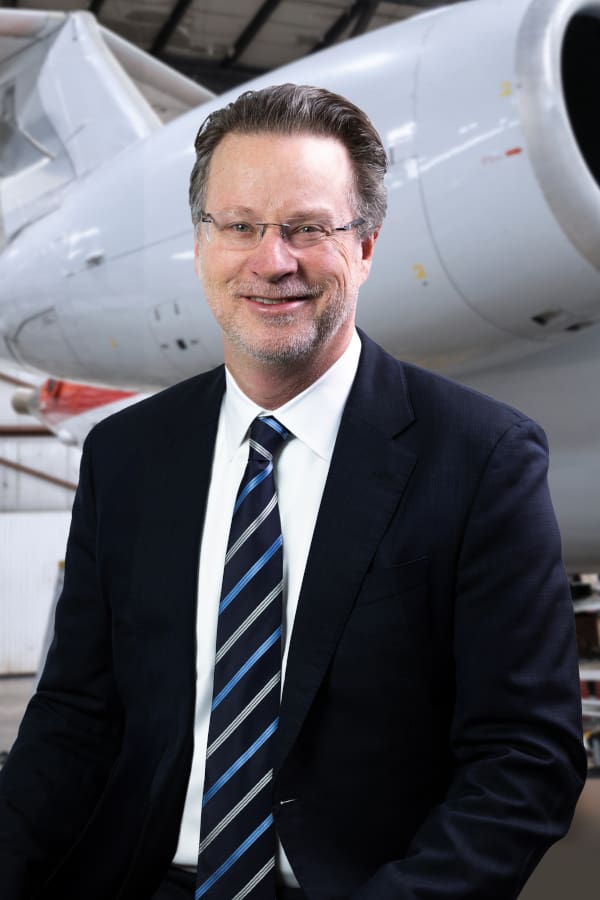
244, 714
251, 528
260, 449
254, 881
248, 622
237, 809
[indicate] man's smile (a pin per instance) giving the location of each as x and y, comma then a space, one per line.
277, 301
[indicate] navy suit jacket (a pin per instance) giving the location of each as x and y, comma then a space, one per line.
429, 743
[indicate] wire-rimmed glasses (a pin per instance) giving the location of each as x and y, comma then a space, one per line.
235, 234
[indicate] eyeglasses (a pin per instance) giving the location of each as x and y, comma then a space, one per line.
236, 235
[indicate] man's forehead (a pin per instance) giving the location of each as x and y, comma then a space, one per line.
256, 150
264, 157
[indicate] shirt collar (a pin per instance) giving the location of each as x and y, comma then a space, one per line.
313, 416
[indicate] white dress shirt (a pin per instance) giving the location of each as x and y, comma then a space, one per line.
313, 418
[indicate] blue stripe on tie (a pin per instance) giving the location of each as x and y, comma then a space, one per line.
251, 839
240, 761
274, 424
247, 665
252, 484
258, 565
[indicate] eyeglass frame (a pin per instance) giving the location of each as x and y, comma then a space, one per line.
207, 219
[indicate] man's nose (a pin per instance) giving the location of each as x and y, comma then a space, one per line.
273, 258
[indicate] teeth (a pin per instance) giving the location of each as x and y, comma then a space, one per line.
269, 302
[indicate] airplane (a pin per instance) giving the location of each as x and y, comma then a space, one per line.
488, 265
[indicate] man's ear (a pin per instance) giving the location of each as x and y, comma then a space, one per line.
368, 246
197, 262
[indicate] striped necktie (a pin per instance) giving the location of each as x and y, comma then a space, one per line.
237, 837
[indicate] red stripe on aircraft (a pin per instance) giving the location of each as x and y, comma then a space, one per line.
60, 400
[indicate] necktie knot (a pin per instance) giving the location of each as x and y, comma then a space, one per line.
267, 435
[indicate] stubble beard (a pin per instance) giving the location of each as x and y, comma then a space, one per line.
285, 349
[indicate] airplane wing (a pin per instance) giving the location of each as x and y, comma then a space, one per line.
72, 96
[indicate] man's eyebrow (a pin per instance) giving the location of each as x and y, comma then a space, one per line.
312, 215
306, 215
236, 211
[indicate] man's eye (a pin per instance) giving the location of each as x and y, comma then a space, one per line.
309, 228
239, 228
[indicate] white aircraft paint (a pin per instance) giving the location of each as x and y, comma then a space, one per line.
488, 265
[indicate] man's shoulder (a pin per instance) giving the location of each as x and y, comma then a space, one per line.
198, 398
448, 396
440, 403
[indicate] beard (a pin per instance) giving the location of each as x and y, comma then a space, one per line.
283, 342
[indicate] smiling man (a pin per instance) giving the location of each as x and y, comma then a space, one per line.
284, 299
315, 639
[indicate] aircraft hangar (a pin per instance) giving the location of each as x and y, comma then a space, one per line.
218, 47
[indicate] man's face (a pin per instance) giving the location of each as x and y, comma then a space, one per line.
275, 178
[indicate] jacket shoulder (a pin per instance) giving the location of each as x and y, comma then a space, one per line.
440, 406
449, 397
164, 412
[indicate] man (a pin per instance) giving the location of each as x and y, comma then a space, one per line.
427, 743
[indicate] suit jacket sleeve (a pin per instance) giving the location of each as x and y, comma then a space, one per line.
70, 734
518, 761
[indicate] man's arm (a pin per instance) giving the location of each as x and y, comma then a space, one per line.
519, 763
71, 731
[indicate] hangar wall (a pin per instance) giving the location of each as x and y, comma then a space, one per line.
33, 545
34, 522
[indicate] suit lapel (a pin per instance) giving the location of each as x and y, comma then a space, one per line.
176, 484
369, 471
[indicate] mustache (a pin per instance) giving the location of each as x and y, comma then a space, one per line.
281, 291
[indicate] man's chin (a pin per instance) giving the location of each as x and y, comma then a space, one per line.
282, 352
285, 342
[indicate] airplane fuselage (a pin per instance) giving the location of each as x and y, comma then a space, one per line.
480, 271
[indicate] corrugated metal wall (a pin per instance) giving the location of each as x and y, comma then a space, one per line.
20, 491
32, 544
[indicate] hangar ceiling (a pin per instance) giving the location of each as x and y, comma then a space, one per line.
223, 43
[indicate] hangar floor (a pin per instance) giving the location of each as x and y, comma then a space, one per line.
570, 869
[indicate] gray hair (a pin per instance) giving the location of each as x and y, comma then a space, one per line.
299, 109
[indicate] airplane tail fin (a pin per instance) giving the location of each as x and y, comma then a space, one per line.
72, 95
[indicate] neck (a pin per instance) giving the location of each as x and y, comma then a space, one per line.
272, 384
